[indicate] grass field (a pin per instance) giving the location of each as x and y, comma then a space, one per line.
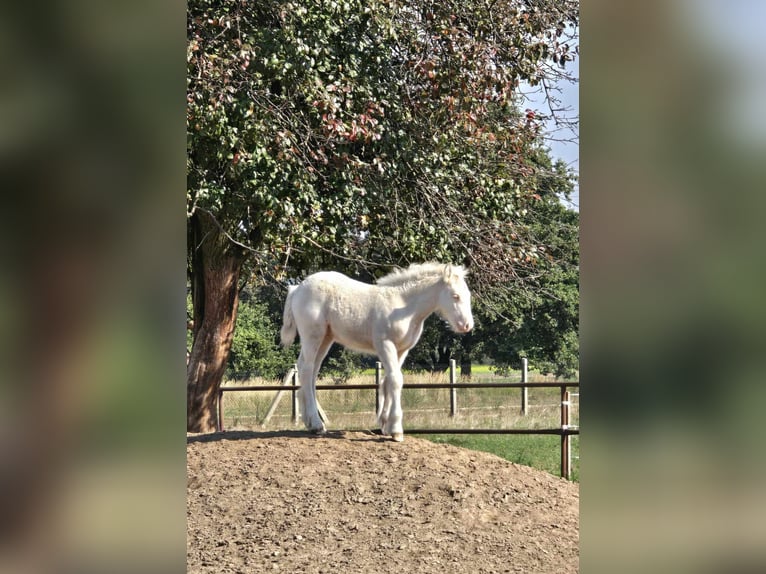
490, 408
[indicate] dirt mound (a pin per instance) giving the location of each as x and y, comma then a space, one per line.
358, 503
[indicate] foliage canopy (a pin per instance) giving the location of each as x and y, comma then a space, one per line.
373, 133
361, 134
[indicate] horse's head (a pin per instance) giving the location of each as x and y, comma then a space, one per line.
455, 300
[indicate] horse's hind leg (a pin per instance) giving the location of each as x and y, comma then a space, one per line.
321, 354
313, 350
307, 393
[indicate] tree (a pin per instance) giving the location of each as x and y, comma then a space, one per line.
216, 262
254, 349
542, 324
355, 135
435, 348
538, 318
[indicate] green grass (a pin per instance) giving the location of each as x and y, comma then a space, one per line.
429, 409
538, 451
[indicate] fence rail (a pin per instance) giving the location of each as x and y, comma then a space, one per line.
565, 430
353, 386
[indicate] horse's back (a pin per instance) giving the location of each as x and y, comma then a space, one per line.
334, 285
334, 278
346, 306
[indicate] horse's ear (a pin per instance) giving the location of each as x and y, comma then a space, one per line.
453, 273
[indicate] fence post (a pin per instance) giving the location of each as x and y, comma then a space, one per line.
566, 459
524, 390
219, 422
453, 390
378, 366
295, 394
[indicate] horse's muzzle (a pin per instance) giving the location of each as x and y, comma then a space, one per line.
464, 327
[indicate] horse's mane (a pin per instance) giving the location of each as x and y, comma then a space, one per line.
418, 272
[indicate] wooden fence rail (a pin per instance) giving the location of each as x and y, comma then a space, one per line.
565, 430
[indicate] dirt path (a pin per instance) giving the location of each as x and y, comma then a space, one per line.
357, 503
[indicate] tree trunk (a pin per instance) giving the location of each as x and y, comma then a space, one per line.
215, 268
465, 358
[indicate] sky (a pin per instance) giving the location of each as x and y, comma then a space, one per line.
567, 151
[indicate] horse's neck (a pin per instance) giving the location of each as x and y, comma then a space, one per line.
422, 299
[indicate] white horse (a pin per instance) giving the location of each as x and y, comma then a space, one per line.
384, 319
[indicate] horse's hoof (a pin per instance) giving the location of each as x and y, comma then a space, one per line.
319, 431
397, 437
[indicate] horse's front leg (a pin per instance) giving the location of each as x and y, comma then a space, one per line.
391, 414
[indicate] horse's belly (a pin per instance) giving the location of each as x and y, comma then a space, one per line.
357, 339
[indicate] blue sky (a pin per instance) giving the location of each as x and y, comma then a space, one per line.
568, 151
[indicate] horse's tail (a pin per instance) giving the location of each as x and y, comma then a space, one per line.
289, 330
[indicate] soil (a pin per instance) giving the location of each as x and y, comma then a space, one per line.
350, 502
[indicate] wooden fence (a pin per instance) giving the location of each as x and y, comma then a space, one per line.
565, 430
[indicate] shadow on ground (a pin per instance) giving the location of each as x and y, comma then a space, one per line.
250, 435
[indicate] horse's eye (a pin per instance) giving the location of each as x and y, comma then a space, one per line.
456, 297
